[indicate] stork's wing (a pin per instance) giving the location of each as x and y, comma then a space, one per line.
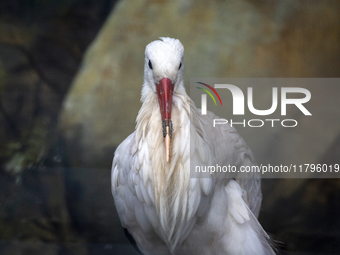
230, 149
126, 190
134, 198
247, 235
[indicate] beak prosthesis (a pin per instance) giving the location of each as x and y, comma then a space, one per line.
165, 90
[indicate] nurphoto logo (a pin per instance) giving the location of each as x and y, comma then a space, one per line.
238, 104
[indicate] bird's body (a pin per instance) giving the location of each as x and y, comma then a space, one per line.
163, 208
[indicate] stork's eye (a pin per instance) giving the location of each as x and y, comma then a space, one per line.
150, 65
180, 65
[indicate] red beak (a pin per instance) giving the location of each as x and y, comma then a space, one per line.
165, 91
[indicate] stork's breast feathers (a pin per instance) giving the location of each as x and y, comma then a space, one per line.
155, 198
160, 197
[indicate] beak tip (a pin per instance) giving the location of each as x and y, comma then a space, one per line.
167, 147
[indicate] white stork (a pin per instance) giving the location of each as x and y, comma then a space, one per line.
165, 210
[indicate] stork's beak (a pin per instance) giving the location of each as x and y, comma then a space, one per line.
165, 90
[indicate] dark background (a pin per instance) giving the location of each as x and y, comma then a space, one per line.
55, 200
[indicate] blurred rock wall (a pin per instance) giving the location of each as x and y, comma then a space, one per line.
41, 47
244, 38
55, 189
249, 39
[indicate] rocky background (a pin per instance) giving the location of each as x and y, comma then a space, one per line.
70, 79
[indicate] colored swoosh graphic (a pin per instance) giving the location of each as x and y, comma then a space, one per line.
209, 94
208, 86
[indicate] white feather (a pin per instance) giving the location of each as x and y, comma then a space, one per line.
165, 210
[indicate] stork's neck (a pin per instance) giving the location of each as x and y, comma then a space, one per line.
170, 179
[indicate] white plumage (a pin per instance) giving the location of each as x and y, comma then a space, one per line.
165, 210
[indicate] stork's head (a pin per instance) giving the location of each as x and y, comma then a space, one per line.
163, 74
